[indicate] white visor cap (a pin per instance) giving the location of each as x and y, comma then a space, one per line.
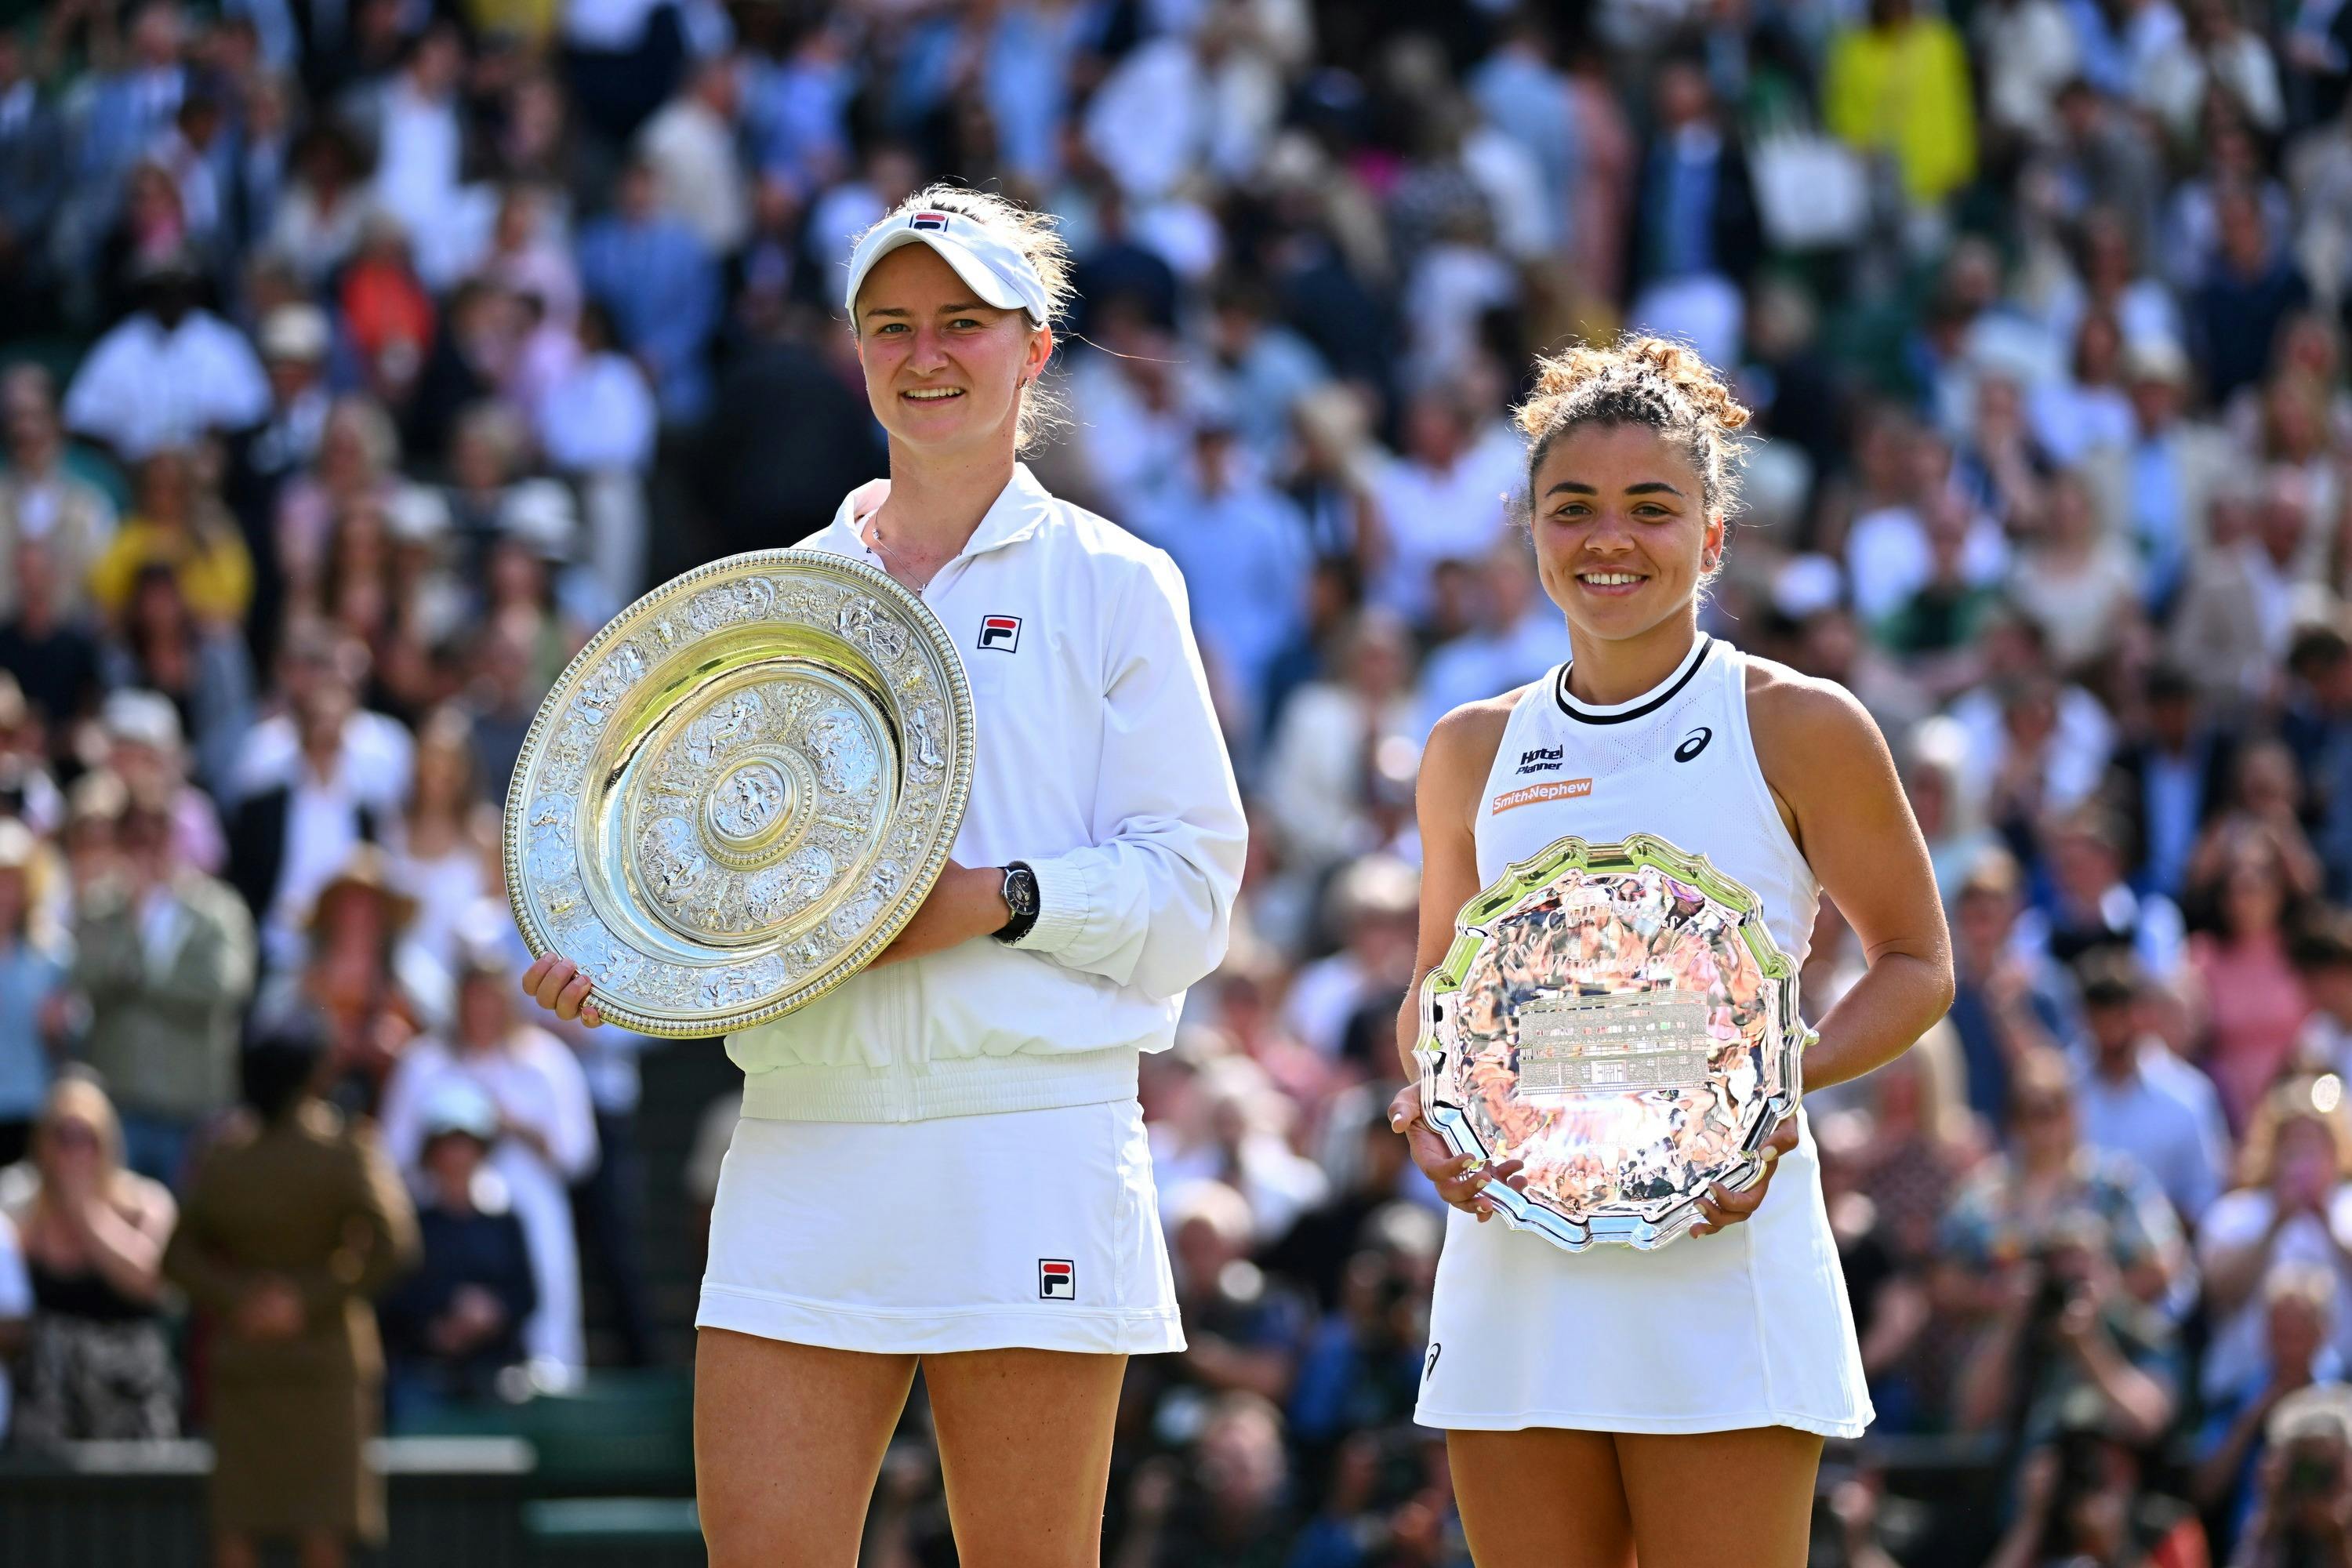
992, 269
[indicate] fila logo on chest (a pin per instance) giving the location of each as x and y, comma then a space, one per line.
1002, 633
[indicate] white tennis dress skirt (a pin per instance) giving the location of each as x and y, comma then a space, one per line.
1029, 1228
1748, 1327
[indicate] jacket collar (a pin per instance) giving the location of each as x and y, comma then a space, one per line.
1020, 510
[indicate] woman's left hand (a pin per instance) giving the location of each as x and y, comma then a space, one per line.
1721, 1208
967, 901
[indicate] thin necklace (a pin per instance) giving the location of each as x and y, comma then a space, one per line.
874, 537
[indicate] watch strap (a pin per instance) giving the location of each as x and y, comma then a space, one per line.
1021, 898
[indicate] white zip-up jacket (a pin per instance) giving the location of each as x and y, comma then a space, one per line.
1100, 765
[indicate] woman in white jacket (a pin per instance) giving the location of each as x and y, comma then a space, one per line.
942, 1160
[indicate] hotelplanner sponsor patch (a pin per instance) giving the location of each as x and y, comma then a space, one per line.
1559, 789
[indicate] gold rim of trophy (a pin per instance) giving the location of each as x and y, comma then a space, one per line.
738, 792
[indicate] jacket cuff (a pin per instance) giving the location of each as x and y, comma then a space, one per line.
1062, 906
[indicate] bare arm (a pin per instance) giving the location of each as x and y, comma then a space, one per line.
1460, 752
1454, 769
1831, 773
126, 1249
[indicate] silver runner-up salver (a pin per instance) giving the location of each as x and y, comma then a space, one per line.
741, 790
1617, 1016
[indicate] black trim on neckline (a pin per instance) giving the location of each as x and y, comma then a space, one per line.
1568, 704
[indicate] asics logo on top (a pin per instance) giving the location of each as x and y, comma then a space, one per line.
1694, 743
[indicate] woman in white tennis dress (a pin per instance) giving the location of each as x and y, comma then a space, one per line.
943, 1161
1673, 1403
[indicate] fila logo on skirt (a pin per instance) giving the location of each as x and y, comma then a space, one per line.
1057, 1279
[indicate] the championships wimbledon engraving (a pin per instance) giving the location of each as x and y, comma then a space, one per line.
1618, 1016
741, 790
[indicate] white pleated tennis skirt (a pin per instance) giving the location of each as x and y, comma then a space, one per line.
1031, 1228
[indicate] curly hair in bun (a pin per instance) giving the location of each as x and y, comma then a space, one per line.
1641, 381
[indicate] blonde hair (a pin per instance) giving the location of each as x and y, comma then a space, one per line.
2296, 1098
1037, 236
1653, 381
77, 1098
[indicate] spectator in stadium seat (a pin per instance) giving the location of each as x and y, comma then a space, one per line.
1244, 1329
2171, 778
2091, 906
1327, 782
661, 284
169, 374
1899, 84
2294, 1204
35, 149
41, 497
179, 522
1241, 546
164, 955
2301, 1495
1695, 232
1230, 1504
2066, 1322
1362, 1365
98, 1364
547, 1134
1442, 498
2086, 1497
2008, 1208
312, 782
2009, 996
2139, 1100
2299, 1352
54, 659
455, 1325
202, 675
1371, 909
295, 1222
2255, 1002
2254, 286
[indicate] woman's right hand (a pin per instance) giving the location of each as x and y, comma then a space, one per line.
556, 984
1461, 1179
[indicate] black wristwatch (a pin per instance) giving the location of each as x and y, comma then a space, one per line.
1021, 898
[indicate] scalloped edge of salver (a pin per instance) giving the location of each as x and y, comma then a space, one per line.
1521, 878
565, 687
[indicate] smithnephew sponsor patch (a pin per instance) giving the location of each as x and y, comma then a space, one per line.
1559, 789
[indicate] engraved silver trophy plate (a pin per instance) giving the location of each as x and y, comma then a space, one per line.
1618, 1016
741, 790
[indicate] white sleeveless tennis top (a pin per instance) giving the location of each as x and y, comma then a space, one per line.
1749, 1327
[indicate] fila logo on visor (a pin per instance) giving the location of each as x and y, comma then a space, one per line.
1057, 1279
928, 220
1002, 633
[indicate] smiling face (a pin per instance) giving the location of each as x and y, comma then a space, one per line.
1623, 532
943, 371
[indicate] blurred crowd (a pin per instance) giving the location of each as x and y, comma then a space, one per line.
359, 357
